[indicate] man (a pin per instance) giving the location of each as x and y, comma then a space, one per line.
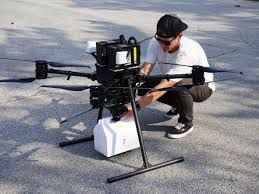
170, 46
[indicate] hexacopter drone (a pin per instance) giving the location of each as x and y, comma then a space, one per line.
118, 77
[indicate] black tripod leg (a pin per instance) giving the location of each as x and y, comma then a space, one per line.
141, 142
90, 138
143, 170
147, 167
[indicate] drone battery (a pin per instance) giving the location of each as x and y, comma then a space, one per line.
112, 138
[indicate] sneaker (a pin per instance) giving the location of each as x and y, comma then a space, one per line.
172, 113
179, 131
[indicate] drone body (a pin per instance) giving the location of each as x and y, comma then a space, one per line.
117, 64
118, 76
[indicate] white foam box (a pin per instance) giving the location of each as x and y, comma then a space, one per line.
112, 138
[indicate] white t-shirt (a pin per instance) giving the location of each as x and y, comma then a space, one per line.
189, 53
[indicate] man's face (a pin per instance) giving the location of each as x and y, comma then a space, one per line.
169, 44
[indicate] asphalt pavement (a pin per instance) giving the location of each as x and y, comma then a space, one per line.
221, 154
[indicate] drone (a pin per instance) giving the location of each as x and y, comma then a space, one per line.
118, 76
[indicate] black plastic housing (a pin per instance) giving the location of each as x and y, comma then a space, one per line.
106, 52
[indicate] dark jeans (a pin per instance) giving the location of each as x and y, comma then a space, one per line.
181, 100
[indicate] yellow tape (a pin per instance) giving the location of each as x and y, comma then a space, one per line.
135, 54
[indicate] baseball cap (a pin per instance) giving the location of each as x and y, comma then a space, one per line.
170, 26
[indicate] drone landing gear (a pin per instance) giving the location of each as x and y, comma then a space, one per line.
146, 165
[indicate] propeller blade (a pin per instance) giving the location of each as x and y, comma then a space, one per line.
173, 89
177, 64
208, 69
12, 59
146, 39
218, 70
56, 64
78, 114
23, 80
70, 88
184, 87
53, 64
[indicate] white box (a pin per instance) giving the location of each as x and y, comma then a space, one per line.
112, 138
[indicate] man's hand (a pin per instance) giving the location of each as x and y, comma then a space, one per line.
129, 113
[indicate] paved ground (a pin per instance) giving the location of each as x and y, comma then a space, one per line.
221, 155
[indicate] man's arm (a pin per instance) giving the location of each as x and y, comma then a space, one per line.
150, 97
147, 68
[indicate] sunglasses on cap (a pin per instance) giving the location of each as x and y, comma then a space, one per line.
164, 42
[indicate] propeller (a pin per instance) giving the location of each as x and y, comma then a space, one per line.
41, 62
146, 39
76, 115
66, 87
23, 80
172, 89
184, 87
207, 69
219, 70
50, 63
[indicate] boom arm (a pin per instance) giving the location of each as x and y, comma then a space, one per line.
91, 76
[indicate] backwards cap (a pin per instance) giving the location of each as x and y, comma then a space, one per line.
170, 26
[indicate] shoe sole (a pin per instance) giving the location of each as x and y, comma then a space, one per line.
177, 136
170, 117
